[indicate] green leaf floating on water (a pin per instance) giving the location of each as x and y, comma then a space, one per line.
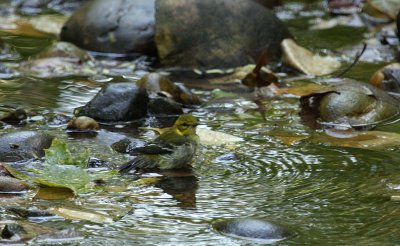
62, 170
58, 153
62, 176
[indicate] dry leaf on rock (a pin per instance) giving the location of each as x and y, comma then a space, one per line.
388, 7
378, 77
305, 61
307, 90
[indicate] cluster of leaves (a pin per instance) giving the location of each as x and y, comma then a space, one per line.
61, 169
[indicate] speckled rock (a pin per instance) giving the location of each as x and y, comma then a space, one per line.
23, 145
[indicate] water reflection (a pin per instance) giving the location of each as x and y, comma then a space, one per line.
181, 185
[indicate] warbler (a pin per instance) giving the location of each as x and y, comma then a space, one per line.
173, 149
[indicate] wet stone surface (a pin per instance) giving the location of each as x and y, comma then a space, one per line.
23, 145
252, 229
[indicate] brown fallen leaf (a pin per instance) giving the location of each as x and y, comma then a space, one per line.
259, 77
367, 140
378, 77
24, 28
307, 90
305, 61
389, 8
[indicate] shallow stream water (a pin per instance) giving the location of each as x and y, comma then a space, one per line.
328, 195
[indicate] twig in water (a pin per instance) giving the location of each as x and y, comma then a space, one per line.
358, 56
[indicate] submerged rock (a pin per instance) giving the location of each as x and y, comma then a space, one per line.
29, 213
117, 102
64, 49
13, 231
59, 59
24, 145
252, 228
192, 33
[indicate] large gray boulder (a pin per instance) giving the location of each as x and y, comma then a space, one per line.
216, 33
117, 26
191, 33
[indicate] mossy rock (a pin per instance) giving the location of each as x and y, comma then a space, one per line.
353, 103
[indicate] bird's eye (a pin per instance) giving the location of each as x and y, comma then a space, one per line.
185, 124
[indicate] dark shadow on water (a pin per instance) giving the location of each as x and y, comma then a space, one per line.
182, 185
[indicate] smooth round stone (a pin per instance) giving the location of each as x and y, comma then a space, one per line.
252, 229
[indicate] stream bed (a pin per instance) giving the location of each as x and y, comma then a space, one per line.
326, 194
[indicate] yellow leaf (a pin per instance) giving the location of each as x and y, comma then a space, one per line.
367, 140
78, 214
305, 90
291, 140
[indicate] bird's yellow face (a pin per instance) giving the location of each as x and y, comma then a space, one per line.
186, 125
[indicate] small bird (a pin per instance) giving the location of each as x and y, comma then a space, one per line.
173, 149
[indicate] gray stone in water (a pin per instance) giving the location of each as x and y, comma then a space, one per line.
116, 26
12, 230
252, 228
164, 106
117, 102
29, 213
190, 34
24, 145
10, 185
357, 104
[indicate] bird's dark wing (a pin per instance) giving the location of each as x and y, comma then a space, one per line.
137, 163
156, 148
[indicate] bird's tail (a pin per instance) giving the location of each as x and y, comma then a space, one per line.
130, 165
140, 162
